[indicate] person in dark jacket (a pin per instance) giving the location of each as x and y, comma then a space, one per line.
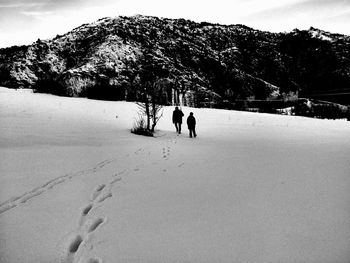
191, 123
177, 119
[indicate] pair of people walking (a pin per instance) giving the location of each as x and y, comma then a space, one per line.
191, 122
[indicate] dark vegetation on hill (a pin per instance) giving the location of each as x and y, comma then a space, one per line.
203, 63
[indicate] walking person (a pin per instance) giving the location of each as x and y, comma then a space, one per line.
177, 119
191, 124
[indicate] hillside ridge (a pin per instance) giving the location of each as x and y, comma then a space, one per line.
203, 61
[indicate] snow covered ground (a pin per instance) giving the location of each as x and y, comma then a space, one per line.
77, 186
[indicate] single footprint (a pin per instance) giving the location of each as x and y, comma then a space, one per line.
108, 195
115, 180
74, 246
104, 163
95, 224
100, 187
87, 209
98, 191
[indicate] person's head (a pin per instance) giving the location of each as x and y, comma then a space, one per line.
176, 108
191, 113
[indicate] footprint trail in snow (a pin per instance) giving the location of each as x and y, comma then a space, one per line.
22, 199
81, 240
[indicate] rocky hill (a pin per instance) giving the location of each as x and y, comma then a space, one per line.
202, 61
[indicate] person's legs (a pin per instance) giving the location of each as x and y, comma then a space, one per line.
190, 132
194, 132
176, 126
179, 127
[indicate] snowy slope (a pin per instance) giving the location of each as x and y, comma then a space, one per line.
77, 186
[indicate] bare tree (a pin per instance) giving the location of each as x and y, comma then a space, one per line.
154, 81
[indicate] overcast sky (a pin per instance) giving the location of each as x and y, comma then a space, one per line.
24, 21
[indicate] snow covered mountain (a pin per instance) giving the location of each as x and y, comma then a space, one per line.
209, 61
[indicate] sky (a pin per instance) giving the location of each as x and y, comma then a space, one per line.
24, 21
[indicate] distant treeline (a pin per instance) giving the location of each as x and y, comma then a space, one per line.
299, 107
